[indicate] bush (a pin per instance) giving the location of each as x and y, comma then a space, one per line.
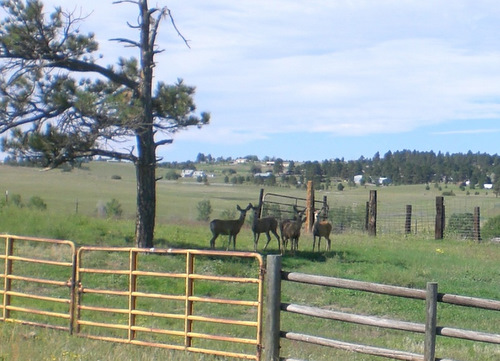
347, 218
116, 177
228, 214
37, 203
16, 200
461, 224
204, 210
491, 228
172, 175
273, 210
113, 209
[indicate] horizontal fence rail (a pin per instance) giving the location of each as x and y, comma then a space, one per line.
430, 329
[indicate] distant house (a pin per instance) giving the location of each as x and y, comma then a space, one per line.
187, 173
358, 178
384, 181
263, 175
488, 186
240, 161
199, 173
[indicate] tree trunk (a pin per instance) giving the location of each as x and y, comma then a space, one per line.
146, 190
146, 148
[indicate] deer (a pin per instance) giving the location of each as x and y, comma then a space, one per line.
321, 228
263, 225
290, 230
229, 227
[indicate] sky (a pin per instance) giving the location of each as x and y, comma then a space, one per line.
323, 79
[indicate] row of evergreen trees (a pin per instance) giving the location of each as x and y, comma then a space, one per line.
412, 167
402, 167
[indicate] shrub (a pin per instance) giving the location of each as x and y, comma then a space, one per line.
273, 210
172, 175
16, 200
37, 203
345, 217
116, 177
228, 214
113, 208
491, 228
461, 224
204, 210
340, 187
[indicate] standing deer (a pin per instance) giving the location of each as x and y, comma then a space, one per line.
290, 230
228, 227
263, 225
321, 229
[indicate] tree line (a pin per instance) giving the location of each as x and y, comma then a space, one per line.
403, 167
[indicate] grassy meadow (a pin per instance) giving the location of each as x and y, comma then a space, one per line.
459, 266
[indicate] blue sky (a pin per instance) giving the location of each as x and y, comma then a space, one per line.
324, 79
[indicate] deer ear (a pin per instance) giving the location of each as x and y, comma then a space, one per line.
238, 207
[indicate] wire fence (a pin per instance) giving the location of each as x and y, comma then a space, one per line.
420, 218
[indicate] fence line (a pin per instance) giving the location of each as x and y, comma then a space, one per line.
429, 329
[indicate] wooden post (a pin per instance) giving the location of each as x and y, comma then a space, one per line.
310, 206
477, 224
408, 219
367, 215
326, 208
272, 339
261, 204
439, 226
430, 323
372, 214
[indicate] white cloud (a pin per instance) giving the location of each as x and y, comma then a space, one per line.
346, 67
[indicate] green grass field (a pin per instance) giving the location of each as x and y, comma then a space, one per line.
460, 267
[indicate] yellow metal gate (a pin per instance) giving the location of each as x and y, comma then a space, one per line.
122, 295
37, 281
172, 307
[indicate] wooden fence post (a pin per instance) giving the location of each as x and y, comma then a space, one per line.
367, 215
272, 339
310, 206
372, 214
430, 322
408, 219
261, 204
439, 227
477, 224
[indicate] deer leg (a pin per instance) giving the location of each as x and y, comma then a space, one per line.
268, 240
212, 241
234, 242
329, 244
255, 241
277, 237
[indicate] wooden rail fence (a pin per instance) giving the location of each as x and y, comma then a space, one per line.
275, 277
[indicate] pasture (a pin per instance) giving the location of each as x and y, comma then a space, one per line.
460, 267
